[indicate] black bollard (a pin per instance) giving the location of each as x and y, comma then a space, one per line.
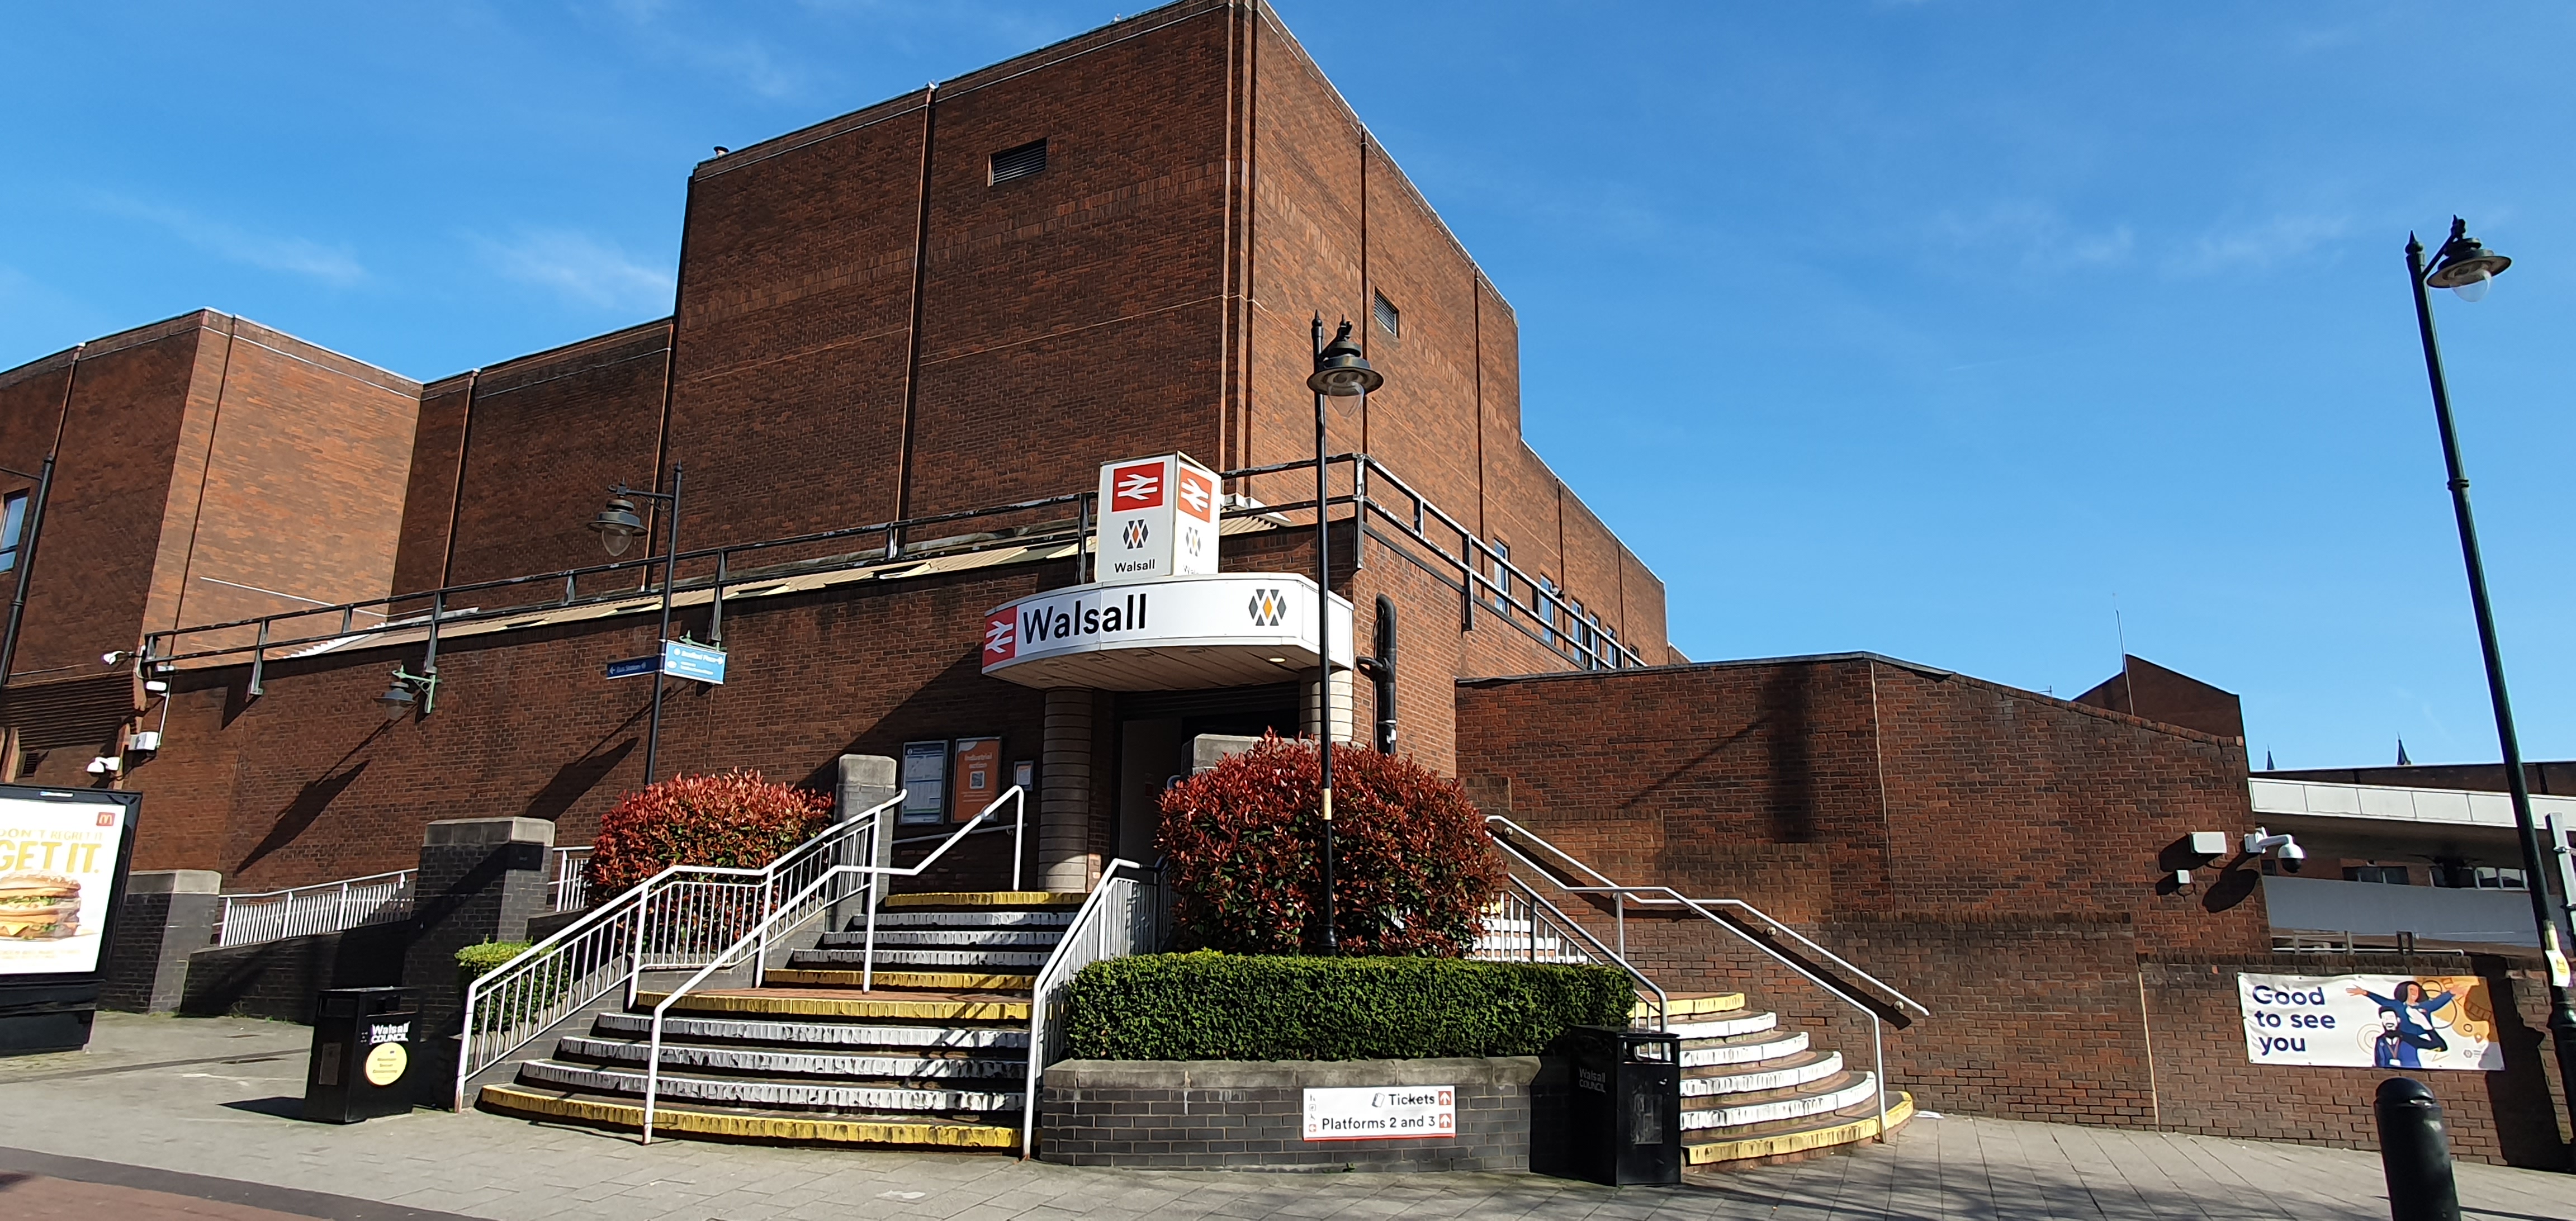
2415, 1153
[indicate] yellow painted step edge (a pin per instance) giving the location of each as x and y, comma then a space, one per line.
757, 1127
1692, 1006
1800, 1142
884, 1005
946, 981
988, 898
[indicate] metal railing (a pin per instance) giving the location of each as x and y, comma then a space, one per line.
783, 917
1400, 518
1122, 916
378, 898
1742, 914
678, 918
1535, 930
568, 878
1019, 799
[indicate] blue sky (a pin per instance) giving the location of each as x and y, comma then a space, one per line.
1926, 328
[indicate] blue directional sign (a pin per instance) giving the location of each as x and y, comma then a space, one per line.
630, 667
681, 659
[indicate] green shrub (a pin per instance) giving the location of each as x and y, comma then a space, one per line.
1211, 1006
1244, 842
475, 961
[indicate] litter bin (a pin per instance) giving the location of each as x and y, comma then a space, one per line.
361, 1062
1625, 1109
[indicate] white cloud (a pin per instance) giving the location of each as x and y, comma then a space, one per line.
580, 268
293, 255
2034, 236
2237, 246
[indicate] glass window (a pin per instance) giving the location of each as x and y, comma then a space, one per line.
2394, 875
1502, 575
13, 520
2490, 877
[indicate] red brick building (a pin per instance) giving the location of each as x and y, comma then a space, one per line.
894, 325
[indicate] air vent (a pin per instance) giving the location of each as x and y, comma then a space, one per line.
1021, 162
1389, 319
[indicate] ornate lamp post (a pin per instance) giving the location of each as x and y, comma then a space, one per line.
2468, 268
1340, 372
618, 526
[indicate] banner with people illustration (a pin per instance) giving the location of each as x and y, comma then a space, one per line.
2370, 1021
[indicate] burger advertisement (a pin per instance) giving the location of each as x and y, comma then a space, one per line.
58, 862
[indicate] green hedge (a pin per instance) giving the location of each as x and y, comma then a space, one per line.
1211, 1006
473, 962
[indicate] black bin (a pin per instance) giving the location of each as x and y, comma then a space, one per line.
1624, 1111
362, 1059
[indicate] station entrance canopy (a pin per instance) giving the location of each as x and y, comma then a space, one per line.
1232, 629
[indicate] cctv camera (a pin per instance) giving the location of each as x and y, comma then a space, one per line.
2292, 855
104, 764
114, 658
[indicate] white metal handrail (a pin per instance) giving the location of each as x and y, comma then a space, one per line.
302, 911
1667, 896
1019, 799
1122, 916
802, 907
1535, 909
568, 882
665, 921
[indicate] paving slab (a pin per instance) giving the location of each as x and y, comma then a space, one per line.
180, 1117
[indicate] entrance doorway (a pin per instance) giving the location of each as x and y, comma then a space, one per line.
1155, 730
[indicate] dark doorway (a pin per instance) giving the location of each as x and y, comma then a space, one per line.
1155, 730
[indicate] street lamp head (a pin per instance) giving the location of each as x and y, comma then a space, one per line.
1340, 370
2464, 266
398, 699
618, 525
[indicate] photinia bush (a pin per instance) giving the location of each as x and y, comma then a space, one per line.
1243, 843
736, 819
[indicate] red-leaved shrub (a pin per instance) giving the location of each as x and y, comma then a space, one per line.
1244, 848
736, 819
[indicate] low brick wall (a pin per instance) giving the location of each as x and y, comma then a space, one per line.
277, 979
1249, 1115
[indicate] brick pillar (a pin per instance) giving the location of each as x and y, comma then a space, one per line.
480, 880
1065, 860
168, 915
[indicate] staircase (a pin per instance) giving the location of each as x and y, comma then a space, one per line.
935, 1054
1753, 1093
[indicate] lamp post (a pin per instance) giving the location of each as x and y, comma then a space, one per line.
25, 559
1340, 372
618, 526
2467, 268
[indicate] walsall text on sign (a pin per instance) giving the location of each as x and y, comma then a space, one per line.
1382, 1112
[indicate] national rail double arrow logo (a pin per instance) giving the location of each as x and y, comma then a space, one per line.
1269, 607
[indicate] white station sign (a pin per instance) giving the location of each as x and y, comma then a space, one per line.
1158, 518
1218, 630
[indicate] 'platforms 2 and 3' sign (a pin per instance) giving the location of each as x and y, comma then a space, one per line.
1158, 518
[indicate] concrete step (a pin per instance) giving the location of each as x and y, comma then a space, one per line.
1755, 1143
1750, 1048
792, 1092
965, 938
1686, 1006
789, 1061
745, 1123
1800, 1069
1715, 1028
934, 981
975, 900
815, 1033
779, 1000
1050, 918
983, 960
1817, 1098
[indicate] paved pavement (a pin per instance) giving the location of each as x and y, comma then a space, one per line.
174, 1118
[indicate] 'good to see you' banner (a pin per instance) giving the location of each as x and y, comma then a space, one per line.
2369, 1021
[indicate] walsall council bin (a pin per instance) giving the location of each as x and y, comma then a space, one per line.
1625, 1108
361, 1064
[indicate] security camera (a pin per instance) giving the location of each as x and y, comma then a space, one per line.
2292, 855
2260, 841
116, 658
105, 764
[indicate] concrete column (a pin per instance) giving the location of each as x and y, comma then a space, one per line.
1341, 707
1209, 749
1065, 860
480, 880
866, 781
168, 915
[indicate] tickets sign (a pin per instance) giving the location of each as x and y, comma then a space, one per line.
1382, 1112
2370, 1021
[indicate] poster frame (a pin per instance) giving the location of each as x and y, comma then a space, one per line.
28, 1000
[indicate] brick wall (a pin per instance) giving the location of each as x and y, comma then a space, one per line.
1158, 1114
277, 979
